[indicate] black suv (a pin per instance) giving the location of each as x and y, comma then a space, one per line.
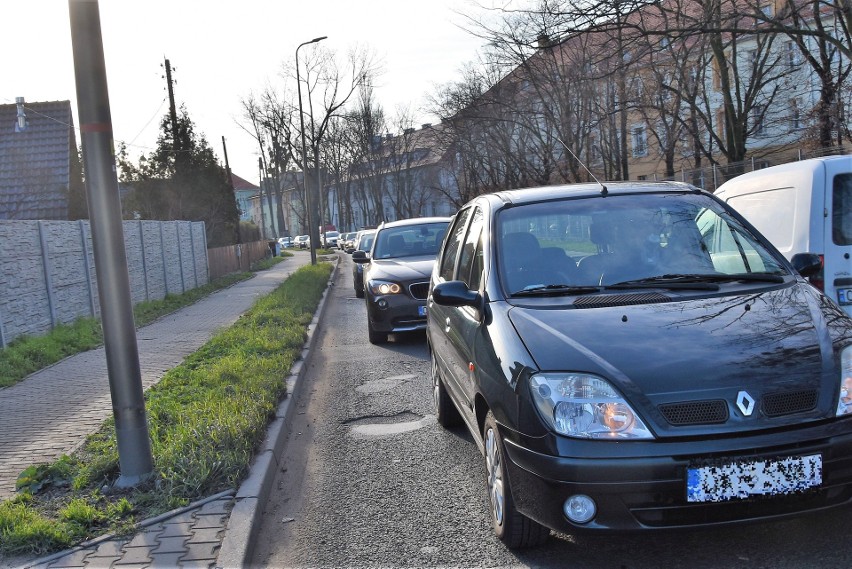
637, 356
396, 277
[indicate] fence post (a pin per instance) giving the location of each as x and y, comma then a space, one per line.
144, 261
180, 256
163, 255
48, 282
206, 256
2, 332
192, 248
86, 267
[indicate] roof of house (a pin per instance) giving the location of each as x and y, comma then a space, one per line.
242, 183
35, 160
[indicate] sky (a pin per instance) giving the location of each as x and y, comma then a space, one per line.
221, 52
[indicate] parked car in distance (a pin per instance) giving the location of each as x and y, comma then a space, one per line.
346, 242
329, 239
363, 242
637, 357
285, 242
396, 276
803, 207
302, 241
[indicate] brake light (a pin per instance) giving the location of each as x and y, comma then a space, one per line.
818, 280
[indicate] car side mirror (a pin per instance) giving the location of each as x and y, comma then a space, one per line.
807, 264
360, 257
455, 293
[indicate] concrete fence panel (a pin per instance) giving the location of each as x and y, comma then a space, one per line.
48, 275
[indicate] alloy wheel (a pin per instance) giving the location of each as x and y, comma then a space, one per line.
494, 469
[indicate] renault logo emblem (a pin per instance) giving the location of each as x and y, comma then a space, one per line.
745, 402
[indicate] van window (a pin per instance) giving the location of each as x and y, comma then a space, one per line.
772, 212
841, 204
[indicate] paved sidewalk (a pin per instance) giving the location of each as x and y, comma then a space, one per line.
51, 412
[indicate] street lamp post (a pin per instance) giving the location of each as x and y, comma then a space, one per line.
308, 201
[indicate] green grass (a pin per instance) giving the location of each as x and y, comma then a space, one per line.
206, 419
28, 354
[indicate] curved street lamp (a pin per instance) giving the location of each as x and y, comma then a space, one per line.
308, 201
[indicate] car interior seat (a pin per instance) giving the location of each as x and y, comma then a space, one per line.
396, 246
522, 261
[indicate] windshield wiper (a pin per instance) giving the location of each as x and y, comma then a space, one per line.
555, 290
697, 281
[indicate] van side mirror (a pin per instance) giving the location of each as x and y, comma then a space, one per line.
807, 264
360, 257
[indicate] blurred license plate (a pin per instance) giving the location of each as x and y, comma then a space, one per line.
844, 296
421, 310
742, 479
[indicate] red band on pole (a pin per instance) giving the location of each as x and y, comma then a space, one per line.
96, 127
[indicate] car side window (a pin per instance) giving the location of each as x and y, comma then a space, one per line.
471, 252
451, 251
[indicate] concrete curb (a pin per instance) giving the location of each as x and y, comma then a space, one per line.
238, 545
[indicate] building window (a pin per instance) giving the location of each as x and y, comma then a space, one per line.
795, 115
794, 56
758, 119
640, 141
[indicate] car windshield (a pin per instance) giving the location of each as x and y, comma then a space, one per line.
365, 242
409, 240
677, 240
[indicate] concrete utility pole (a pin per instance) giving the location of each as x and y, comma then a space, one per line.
125, 379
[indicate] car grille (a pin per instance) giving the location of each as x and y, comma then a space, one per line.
695, 412
602, 300
419, 290
714, 411
779, 404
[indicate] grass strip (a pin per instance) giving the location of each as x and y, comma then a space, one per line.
206, 419
28, 354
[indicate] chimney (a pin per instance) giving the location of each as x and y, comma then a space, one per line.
21, 123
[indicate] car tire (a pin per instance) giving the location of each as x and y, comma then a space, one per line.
375, 336
445, 410
511, 527
359, 292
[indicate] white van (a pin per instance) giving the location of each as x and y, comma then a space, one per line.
803, 207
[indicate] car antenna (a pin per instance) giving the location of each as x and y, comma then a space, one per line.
604, 191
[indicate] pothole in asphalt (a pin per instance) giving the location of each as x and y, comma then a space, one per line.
386, 426
383, 384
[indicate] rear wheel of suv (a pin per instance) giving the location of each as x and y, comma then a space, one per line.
447, 414
375, 336
511, 527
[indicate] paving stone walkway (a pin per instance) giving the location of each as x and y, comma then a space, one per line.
51, 412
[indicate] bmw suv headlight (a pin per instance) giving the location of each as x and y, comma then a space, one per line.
585, 406
844, 403
384, 287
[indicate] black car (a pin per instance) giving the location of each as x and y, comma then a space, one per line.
363, 242
637, 356
396, 275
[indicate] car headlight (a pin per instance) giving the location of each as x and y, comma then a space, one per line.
844, 403
384, 287
585, 406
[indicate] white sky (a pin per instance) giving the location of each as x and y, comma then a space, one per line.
221, 52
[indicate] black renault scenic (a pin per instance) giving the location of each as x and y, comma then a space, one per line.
636, 356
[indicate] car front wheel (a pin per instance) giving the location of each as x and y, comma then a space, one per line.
511, 527
447, 414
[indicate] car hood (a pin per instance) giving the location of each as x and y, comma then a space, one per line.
403, 268
677, 356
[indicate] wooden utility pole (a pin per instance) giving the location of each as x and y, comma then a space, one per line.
172, 109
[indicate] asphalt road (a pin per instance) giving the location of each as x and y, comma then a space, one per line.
371, 480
